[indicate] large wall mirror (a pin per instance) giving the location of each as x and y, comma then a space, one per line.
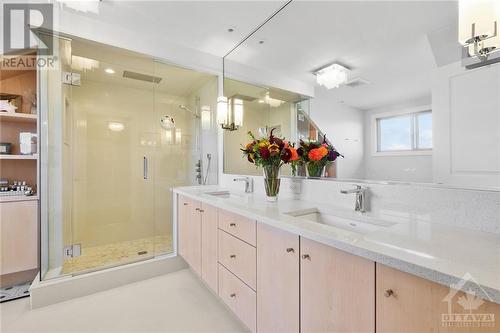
406, 108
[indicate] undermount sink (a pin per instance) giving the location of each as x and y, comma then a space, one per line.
364, 225
225, 194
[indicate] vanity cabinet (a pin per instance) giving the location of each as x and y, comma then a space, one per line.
197, 224
189, 225
337, 290
407, 303
209, 245
277, 280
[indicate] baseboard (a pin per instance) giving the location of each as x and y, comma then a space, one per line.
44, 293
11, 279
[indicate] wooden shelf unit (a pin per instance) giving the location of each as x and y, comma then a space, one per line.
18, 117
18, 157
19, 214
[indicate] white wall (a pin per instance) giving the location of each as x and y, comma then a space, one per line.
395, 168
466, 106
343, 126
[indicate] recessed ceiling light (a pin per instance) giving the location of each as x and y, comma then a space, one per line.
109, 71
261, 101
231, 29
261, 41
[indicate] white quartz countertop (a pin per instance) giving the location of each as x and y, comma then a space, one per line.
440, 253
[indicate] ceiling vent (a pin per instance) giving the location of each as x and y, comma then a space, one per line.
357, 82
243, 97
141, 77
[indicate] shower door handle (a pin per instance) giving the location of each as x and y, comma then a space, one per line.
145, 167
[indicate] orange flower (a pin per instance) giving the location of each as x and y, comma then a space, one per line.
295, 155
317, 154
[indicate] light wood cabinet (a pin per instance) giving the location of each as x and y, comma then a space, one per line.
189, 231
238, 296
18, 236
209, 231
238, 226
337, 290
238, 257
277, 280
407, 303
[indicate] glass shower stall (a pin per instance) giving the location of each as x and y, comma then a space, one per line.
118, 130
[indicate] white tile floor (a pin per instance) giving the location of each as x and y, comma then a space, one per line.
176, 302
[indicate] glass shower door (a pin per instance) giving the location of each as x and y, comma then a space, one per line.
112, 145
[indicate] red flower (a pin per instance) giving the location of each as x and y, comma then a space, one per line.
264, 153
286, 155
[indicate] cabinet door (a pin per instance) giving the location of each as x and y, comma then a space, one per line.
337, 290
277, 280
407, 303
189, 224
18, 236
209, 265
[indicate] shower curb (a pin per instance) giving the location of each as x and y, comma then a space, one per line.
43, 293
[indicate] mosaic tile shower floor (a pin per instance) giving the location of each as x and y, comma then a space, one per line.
118, 253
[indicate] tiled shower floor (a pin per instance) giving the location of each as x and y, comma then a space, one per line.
117, 253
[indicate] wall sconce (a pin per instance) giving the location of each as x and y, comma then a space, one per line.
230, 114
478, 27
332, 76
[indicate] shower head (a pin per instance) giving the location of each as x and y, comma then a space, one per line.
182, 106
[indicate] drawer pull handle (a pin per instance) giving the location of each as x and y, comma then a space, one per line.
388, 292
232, 295
201, 210
185, 203
232, 224
290, 250
306, 256
232, 256
197, 209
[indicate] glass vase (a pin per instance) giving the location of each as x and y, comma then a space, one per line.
315, 169
272, 181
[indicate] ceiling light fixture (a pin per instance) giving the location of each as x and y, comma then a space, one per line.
109, 71
231, 29
332, 76
116, 126
478, 27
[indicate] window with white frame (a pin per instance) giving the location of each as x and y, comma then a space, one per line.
404, 132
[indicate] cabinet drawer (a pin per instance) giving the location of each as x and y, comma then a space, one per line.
238, 226
239, 297
239, 257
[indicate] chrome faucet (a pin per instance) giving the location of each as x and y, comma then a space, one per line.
248, 183
360, 205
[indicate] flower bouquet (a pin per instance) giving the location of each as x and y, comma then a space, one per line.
316, 155
270, 154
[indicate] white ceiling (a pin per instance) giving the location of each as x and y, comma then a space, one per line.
200, 25
384, 42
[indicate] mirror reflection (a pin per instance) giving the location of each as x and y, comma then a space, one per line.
391, 89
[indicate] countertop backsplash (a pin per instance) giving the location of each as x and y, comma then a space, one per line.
465, 208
